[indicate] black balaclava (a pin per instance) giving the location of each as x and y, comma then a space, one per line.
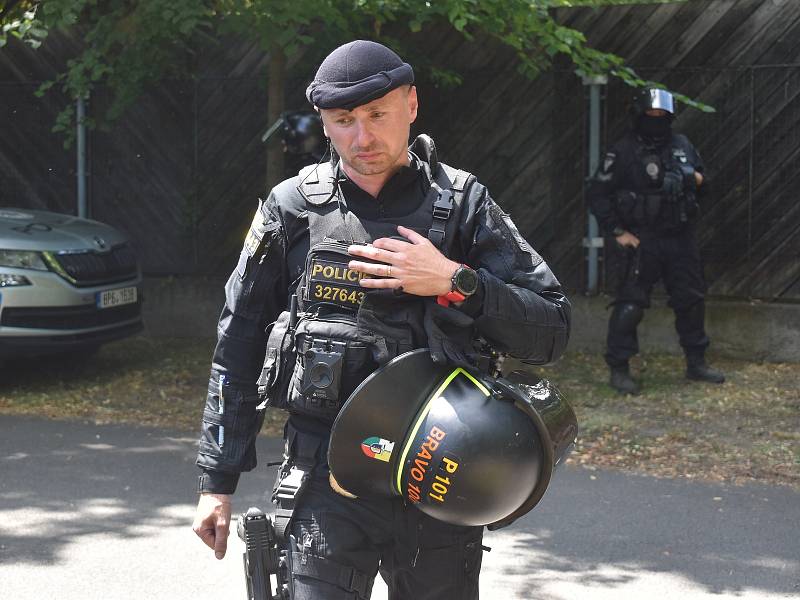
657, 129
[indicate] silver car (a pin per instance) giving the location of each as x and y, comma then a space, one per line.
66, 284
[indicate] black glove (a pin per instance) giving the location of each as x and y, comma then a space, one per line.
689, 179
450, 333
673, 183
390, 324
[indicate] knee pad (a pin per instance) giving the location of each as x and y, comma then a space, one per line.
626, 316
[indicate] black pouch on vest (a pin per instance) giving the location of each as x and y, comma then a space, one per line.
279, 361
314, 368
328, 279
332, 359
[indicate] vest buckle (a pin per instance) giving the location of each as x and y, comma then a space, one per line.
443, 205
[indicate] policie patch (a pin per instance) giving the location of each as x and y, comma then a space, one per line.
334, 282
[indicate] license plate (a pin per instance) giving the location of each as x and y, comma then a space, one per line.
118, 297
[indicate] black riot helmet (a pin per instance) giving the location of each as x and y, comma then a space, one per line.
462, 447
656, 128
303, 134
653, 98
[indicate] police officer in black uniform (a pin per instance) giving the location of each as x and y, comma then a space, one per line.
645, 196
354, 261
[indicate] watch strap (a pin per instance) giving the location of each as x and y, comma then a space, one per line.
449, 297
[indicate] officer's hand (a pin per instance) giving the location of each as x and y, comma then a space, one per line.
698, 178
212, 521
627, 239
418, 267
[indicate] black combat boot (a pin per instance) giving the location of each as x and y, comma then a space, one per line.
622, 381
698, 370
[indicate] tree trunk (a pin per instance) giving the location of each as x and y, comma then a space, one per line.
276, 79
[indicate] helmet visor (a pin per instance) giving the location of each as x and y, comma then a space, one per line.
663, 100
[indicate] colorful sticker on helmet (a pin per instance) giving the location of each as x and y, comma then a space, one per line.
379, 448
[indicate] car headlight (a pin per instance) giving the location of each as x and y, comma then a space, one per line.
22, 259
12, 280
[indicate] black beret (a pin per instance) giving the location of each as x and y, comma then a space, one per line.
357, 73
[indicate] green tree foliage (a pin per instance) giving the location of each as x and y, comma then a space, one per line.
18, 19
131, 43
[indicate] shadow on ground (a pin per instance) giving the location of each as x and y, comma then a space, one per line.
602, 529
63, 482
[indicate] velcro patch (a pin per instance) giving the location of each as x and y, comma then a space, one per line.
608, 162
255, 234
251, 243
334, 282
513, 236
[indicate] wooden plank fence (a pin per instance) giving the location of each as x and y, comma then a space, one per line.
182, 170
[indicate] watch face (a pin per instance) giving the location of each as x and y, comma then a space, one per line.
466, 281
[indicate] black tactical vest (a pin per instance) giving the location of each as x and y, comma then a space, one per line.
654, 207
341, 332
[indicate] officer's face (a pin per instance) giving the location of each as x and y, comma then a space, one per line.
372, 139
656, 112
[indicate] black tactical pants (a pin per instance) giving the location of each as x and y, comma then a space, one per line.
675, 259
337, 546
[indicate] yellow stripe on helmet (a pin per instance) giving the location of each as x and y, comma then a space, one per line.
424, 413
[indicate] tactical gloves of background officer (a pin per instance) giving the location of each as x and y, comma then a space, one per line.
681, 180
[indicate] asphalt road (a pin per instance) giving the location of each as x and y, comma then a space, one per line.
104, 512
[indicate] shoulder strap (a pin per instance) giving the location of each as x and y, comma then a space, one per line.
449, 184
318, 188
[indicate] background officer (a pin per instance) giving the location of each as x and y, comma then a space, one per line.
424, 222
644, 196
304, 141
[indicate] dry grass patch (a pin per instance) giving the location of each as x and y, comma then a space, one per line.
747, 429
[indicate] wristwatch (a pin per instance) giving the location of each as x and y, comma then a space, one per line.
464, 283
